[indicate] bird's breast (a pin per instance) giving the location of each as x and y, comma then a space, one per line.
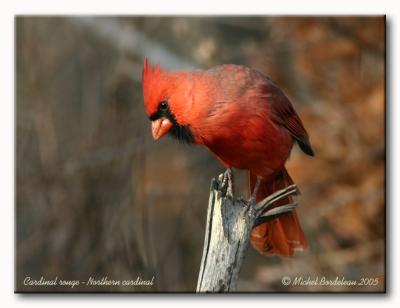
248, 142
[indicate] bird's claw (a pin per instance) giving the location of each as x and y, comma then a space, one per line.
251, 202
251, 206
264, 210
227, 181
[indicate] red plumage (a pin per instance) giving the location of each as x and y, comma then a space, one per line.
241, 116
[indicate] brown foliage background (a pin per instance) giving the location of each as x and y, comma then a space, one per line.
96, 197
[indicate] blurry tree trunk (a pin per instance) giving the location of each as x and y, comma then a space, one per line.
229, 223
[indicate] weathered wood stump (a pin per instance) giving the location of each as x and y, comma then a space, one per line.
229, 223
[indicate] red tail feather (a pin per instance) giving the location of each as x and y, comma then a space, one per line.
283, 235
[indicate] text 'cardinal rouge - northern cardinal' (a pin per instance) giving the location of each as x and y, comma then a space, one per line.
242, 117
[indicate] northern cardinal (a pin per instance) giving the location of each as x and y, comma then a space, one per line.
242, 117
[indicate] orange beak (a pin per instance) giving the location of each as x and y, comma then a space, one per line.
160, 127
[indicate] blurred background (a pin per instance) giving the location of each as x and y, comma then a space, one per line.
97, 197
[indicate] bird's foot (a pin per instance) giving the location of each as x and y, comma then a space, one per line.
253, 198
252, 201
264, 210
227, 181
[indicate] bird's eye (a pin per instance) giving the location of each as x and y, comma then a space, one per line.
163, 105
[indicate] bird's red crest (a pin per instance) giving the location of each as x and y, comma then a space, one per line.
152, 85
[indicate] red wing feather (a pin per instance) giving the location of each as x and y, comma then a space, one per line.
285, 115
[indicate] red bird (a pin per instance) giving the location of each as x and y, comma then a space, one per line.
242, 117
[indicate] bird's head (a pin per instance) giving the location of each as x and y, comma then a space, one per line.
164, 101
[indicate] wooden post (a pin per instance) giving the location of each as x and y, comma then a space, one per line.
229, 223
